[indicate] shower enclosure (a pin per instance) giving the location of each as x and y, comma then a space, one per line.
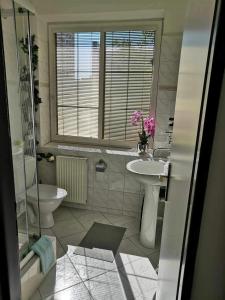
20, 60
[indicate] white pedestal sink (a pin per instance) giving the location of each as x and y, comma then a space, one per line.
152, 174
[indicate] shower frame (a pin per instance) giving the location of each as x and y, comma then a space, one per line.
9, 253
21, 11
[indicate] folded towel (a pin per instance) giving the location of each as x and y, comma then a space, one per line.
43, 248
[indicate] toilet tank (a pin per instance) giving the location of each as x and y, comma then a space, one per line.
30, 167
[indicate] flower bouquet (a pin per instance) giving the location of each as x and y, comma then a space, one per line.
147, 126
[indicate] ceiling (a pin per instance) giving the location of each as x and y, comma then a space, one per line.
88, 6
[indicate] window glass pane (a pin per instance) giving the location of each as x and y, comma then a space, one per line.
77, 67
128, 80
88, 118
66, 124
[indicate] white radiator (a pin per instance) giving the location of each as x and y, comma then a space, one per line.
71, 174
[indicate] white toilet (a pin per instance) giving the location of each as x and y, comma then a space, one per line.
50, 196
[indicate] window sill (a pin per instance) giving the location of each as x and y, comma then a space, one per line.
92, 149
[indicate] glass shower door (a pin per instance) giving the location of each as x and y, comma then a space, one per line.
26, 59
17, 40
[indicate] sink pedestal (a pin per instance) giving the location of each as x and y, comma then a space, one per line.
149, 216
152, 174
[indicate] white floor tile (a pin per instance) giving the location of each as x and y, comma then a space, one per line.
132, 227
77, 292
79, 213
65, 228
123, 259
106, 286
72, 240
88, 267
60, 277
91, 214
62, 213
95, 253
88, 220
127, 247
59, 249
140, 267
141, 287
87, 264
135, 239
118, 220
130, 276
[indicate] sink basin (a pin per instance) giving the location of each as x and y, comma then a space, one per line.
149, 171
152, 174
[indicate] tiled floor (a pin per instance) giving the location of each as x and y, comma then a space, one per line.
130, 276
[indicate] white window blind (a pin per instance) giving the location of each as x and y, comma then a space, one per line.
77, 67
127, 75
128, 80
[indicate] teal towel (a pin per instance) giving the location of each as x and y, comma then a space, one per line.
43, 248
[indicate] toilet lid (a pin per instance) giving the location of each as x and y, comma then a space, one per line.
46, 192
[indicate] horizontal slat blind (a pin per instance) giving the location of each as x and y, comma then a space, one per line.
77, 67
128, 80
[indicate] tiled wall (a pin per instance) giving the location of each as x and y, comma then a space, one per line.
114, 191
168, 75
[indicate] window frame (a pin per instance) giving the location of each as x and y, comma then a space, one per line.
101, 27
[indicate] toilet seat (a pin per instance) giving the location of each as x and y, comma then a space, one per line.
46, 192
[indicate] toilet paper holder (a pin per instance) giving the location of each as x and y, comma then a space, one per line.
100, 166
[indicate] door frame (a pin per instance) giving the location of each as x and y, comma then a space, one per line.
202, 66
9, 252
216, 66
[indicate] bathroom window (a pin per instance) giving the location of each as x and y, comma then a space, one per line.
77, 83
99, 77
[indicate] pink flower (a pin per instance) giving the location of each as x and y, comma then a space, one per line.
149, 125
136, 117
